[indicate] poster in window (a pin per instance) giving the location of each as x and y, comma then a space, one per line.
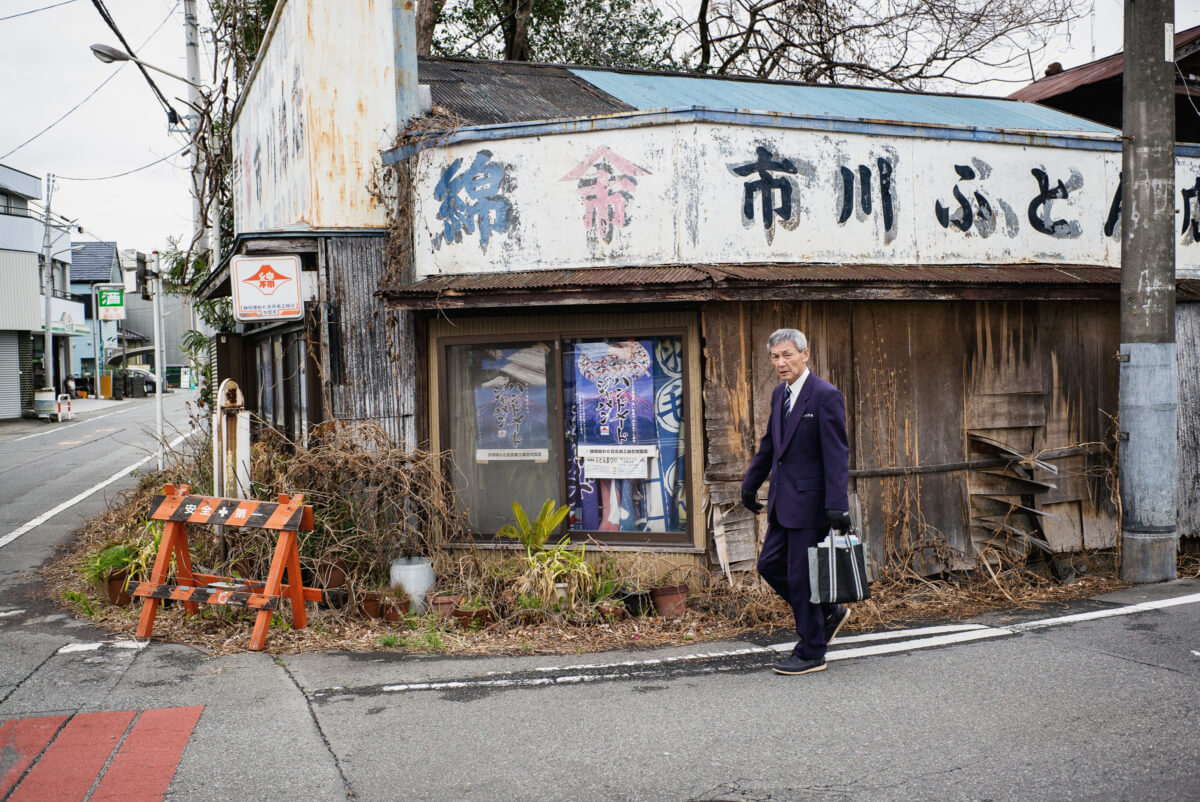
510, 406
625, 468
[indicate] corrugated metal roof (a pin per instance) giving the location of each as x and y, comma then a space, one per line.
647, 91
737, 275
93, 261
1093, 72
488, 92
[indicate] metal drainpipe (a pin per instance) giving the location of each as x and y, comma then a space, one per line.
404, 29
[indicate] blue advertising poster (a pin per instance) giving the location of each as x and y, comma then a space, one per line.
510, 406
625, 451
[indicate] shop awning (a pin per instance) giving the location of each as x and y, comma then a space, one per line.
695, 283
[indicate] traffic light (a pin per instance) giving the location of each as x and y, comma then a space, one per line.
143, 278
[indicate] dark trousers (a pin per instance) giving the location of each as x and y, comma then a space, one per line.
783, 563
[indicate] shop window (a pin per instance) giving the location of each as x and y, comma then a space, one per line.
593, 422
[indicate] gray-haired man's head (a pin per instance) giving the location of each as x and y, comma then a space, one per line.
794, 336
789, 354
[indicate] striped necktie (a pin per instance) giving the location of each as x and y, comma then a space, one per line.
787, 402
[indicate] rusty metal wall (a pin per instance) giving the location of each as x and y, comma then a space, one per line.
371, 346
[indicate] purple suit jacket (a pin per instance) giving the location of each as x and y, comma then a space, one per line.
807, 456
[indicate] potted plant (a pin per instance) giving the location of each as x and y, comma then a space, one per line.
669, 600
443, 604
394, 604
473, 613
534, 534
115, 566
370, 602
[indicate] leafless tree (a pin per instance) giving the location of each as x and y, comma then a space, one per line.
904, 43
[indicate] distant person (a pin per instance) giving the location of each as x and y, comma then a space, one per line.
807, 454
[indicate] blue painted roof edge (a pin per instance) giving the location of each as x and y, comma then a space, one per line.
1079, 140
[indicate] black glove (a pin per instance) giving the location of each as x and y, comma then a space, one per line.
838, 519
750, 502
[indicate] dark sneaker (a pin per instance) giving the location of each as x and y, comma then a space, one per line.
798, 665
834, 620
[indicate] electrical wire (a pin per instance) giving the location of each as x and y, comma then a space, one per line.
1187, 89
36, 10
172, 115
94, 91
127, 172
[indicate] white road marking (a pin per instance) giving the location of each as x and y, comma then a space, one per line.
920, 638
93, 646
71, 502
58, 429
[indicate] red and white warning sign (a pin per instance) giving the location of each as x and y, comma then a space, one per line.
266, 288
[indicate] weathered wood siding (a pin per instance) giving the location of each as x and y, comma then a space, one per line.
1187, 339
372, 347
948, 405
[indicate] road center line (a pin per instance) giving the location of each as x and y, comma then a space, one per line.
71, 502
71, 425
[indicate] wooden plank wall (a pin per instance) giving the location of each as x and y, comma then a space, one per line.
1187, 338
946, 404
377, 344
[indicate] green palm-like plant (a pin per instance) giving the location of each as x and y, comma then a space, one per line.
534, 534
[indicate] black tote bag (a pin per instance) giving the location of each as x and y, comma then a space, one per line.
837, 570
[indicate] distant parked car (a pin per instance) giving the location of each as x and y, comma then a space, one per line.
151, 379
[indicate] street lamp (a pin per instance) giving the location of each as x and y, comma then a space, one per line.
109, 54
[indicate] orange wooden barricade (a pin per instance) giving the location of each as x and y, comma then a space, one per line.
176, 508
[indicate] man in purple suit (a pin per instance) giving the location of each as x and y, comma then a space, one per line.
807, 455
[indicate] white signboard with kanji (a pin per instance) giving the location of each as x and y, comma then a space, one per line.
266, 288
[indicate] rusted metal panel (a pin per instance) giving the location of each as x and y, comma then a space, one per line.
376, 377
312, 119
488, 92
1090, 73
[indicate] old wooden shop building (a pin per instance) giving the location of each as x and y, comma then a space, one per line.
569, 277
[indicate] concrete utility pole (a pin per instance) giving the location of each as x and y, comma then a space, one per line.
160, 368
191, 33
1148, 461
48, 290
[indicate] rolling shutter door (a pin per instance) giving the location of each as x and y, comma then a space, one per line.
10, 376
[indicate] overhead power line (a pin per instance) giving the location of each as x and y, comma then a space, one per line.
36, 10
94, 91
127, 172
172, 115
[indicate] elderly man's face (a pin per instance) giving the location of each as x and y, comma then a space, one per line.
789, 362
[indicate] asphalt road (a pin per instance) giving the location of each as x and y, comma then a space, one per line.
1100, 701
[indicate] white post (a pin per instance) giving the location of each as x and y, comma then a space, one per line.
159, 354
95, 342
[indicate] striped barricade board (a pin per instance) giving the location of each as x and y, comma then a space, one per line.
176, 508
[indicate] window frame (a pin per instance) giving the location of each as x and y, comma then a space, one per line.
555, 337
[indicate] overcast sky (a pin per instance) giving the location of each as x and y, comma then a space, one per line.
48, 69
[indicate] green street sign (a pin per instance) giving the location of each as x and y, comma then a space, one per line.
111, 303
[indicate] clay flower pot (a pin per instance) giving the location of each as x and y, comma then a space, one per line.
392, 610
670, 601
370, 603
443, 604
117, 594
332, 574
472, 618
